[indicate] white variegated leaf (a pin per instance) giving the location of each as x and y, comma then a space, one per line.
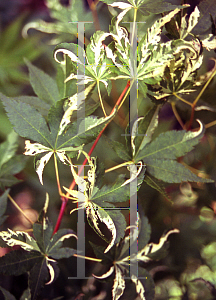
41, 163
95, 214
134, 173
151, 128
81, 182
152, 247
105, 275
118, 285
73, 104
139, 287
72, 56
187, 26
75, 194
12, 238
153, 33
34, 148
210, 42
134, 134
121, 5
51, 270
62, 156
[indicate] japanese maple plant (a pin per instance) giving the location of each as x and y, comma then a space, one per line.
113, 91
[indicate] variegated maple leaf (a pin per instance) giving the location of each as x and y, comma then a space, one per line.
38, 253
96, 201
122, 262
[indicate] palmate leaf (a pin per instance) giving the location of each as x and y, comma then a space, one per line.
98, 202
95, 68
121, 260
153, 56
161, 153
29, 123
38, 252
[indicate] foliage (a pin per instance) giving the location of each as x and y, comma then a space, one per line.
141, 159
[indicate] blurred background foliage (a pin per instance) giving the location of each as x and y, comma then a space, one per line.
31, 29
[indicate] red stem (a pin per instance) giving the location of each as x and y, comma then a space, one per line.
191, 118
65, 199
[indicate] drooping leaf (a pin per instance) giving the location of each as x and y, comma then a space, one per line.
146, 127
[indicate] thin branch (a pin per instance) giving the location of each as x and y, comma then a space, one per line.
182, 99
204, 88
177, 115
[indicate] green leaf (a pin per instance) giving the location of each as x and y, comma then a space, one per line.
3, 206
27, 121
35, 102
120, 149
18, 262
57, 240
37, 278
117, 192
35, 258
8, 148
160, 154
44, 86
65, 252
13, 49
146, 127
157, 7
10, 164
171, 171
